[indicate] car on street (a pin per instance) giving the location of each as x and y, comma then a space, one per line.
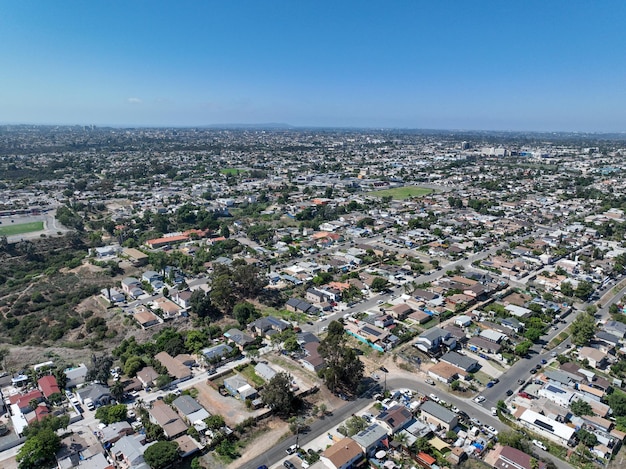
463, 414
433, 397
509, 392
533, 371
479, 399
475, 422
288, 464
544, 361
292, 449
494, 411
490, 384
520, 381
429, 381
490, 429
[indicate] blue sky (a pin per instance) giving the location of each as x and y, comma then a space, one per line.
499, 65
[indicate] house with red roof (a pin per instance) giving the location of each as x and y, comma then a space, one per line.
48, 385
41, 412
22, 401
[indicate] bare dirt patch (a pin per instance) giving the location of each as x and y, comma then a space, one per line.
233, 410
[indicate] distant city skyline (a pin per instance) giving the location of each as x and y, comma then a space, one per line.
491, 65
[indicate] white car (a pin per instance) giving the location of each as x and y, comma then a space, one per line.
539, 444
479, 399
490, 429
434, 398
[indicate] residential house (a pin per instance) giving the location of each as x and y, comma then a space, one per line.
135, 256
312, 360
151, 276
434, 340
186, 446
595, 357
114, 432
147, 376
239, 387
616, 328
605, 341
169, 309
445, 372
98, 394
239, 338
492, 336
370, 439
438, 415
163, 415
484, 345
129, 450
463, 362
316, 296
190, 409
463, 321
547, 427
216, 352
145, 318
23, 401
112, 295
394, 419
556, 394
48, 385
506, 457
265, 371
301, 306
344, 454
268, 326
76, 375
183, 298
401, 311
175, 368
131, 286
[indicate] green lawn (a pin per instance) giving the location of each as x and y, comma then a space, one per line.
10, 230
401, 193
234, 171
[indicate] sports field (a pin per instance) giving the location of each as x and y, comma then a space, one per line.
20, 228
234, 171
401, 193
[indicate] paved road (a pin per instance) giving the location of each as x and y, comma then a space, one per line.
319, 427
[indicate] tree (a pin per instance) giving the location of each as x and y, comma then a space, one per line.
195, 341
379, 284
200, 304
161, 454
343, 368
133, 365
117, 390
583, 290
567, 289
580, 407
583, 328
523, 347
244, 313
39, 450
214, 422
100, 368
291, 344
112, 413
277, 394
455, 385
617, 402
512, 439
451, 435
355, 424
587, 438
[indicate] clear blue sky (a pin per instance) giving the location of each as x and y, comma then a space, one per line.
501, 65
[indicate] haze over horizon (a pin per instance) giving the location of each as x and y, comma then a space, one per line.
532, 66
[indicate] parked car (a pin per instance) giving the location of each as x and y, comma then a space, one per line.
430, 381
509, 392
288, 464
494, 411
490, 429
479, 399
539, 444
490, 384
292, 449
433, 397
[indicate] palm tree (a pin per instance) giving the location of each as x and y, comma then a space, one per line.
117, 391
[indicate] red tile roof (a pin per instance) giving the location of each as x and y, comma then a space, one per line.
48, 385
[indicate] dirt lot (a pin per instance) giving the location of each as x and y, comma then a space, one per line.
233, 410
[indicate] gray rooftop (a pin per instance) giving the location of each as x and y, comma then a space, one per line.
438, 411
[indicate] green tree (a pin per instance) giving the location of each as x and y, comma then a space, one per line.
580, 407
455, 385
133, 365
200, 304
195, 341
355, 424
512, 439
379, 284
523, 347
583, 328
344, 369
245, 313
587, 438
112, 413
162, 454
583, 290
39, 450
617, 403
277, 394
567, 289
214, 422
117, 390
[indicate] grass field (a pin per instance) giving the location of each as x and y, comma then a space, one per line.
10, 230
234, 171
401, 193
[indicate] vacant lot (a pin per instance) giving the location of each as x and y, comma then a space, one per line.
20, 228
401, 193
233, 410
